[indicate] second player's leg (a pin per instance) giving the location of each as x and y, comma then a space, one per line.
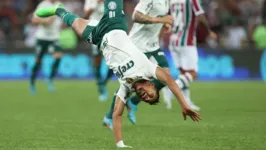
41, 49
186, 59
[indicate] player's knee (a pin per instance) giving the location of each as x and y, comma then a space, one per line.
38, 60
79, 25
57, 55
192, 73
97, 61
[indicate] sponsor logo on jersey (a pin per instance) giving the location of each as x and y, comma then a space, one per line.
123, 68
112, 5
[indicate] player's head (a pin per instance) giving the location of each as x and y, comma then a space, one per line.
147, 91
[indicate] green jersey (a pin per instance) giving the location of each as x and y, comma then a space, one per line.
113, 19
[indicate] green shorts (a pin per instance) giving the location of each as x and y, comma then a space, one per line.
158, 58
44, 46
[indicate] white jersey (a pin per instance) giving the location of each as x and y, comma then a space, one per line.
98, 9
51, 31
185, 23
146, 36
127, 62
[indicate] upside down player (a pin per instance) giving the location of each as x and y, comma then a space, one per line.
182, 46
129, 64
47, 41
149, 17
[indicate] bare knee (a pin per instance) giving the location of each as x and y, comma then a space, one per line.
193, 73
57, 55
97, 60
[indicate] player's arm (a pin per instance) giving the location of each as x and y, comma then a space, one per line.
141, 11
89, 8
88, 13
139, 17
117, 116
44, 21
166, 78
199, 12
202, 19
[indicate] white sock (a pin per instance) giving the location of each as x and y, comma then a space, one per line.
184, 80
186, 94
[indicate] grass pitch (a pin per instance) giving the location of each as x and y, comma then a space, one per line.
233, 118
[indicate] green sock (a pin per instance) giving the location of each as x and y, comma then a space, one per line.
135, 100
54, 68
109, 115
97, 75
34, 72
109, 75
67, 17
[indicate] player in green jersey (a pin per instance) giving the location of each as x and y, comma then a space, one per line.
47, 35
130, 65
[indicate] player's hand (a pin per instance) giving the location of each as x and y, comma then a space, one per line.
121, 144
167, 28
213, 35
192, 114
166, 19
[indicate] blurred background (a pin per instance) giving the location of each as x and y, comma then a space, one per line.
238, 53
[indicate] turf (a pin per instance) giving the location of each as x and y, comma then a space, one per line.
233, 118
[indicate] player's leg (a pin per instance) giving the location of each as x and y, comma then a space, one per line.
156, 57
97, 63
57, 55
109, 75
41, 49
77, 23
188, 66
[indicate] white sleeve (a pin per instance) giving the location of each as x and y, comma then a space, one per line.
90, 4
123, 93
144, 6
197, 9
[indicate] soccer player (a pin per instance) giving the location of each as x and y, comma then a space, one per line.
94, 10
129, 64
47, 35
145, 35
182, 46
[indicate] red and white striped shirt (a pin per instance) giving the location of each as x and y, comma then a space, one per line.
184, 29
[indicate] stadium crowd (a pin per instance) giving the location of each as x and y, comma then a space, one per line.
240, 24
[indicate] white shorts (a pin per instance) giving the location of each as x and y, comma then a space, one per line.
118, 49
185, 58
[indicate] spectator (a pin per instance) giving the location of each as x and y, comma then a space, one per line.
236, 35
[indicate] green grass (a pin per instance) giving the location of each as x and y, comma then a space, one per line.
233, 118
